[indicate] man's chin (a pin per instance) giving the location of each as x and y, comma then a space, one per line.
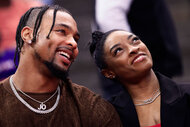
57, 71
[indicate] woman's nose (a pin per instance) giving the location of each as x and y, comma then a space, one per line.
133, 50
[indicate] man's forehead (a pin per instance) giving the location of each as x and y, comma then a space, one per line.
50, 13
62, 18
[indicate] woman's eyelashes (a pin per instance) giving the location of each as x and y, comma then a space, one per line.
135, 39
117, 50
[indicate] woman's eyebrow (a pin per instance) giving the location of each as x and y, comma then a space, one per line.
114, 47
130, 36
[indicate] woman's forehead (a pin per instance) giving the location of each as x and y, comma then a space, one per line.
117, 35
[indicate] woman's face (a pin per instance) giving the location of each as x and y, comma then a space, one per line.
126, 55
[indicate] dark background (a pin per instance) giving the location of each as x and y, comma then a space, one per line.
84, 72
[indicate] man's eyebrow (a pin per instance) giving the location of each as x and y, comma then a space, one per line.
130, 36
114, 47
64, 25
68, 27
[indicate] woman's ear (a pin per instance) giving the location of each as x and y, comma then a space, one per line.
108, 74
27, 34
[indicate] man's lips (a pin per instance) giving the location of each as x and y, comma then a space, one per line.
65, 54
139, 58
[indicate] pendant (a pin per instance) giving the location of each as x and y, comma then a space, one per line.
42, 107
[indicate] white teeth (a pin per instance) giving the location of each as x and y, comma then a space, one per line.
139, 58
64, 54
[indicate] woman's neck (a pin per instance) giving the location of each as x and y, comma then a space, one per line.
144, 88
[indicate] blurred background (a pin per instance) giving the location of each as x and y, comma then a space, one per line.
83, 71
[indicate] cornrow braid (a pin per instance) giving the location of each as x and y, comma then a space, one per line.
38, 22
54, 16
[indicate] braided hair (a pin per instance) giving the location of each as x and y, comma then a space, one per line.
33, 18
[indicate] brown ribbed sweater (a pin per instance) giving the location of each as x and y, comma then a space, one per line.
78, 107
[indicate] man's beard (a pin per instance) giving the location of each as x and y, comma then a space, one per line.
53, 68
56, 70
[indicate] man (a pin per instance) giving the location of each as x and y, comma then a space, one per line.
39, 93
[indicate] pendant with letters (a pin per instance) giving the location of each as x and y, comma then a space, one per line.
42, 107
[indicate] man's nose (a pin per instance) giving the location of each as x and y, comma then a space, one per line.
71, 42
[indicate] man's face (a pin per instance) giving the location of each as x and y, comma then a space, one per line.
59, 51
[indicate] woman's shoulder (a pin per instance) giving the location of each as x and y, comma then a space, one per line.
184, 87
121, 100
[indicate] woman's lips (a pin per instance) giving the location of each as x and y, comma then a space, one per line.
138, 58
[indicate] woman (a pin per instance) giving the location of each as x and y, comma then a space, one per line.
148, 99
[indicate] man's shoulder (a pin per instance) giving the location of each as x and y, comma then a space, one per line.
82, 90
85, 95
3, 82
97, 107
3, 90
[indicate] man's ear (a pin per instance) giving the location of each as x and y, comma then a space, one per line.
108, 74
27, 34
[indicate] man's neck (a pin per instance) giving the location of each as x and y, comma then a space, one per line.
31, 80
